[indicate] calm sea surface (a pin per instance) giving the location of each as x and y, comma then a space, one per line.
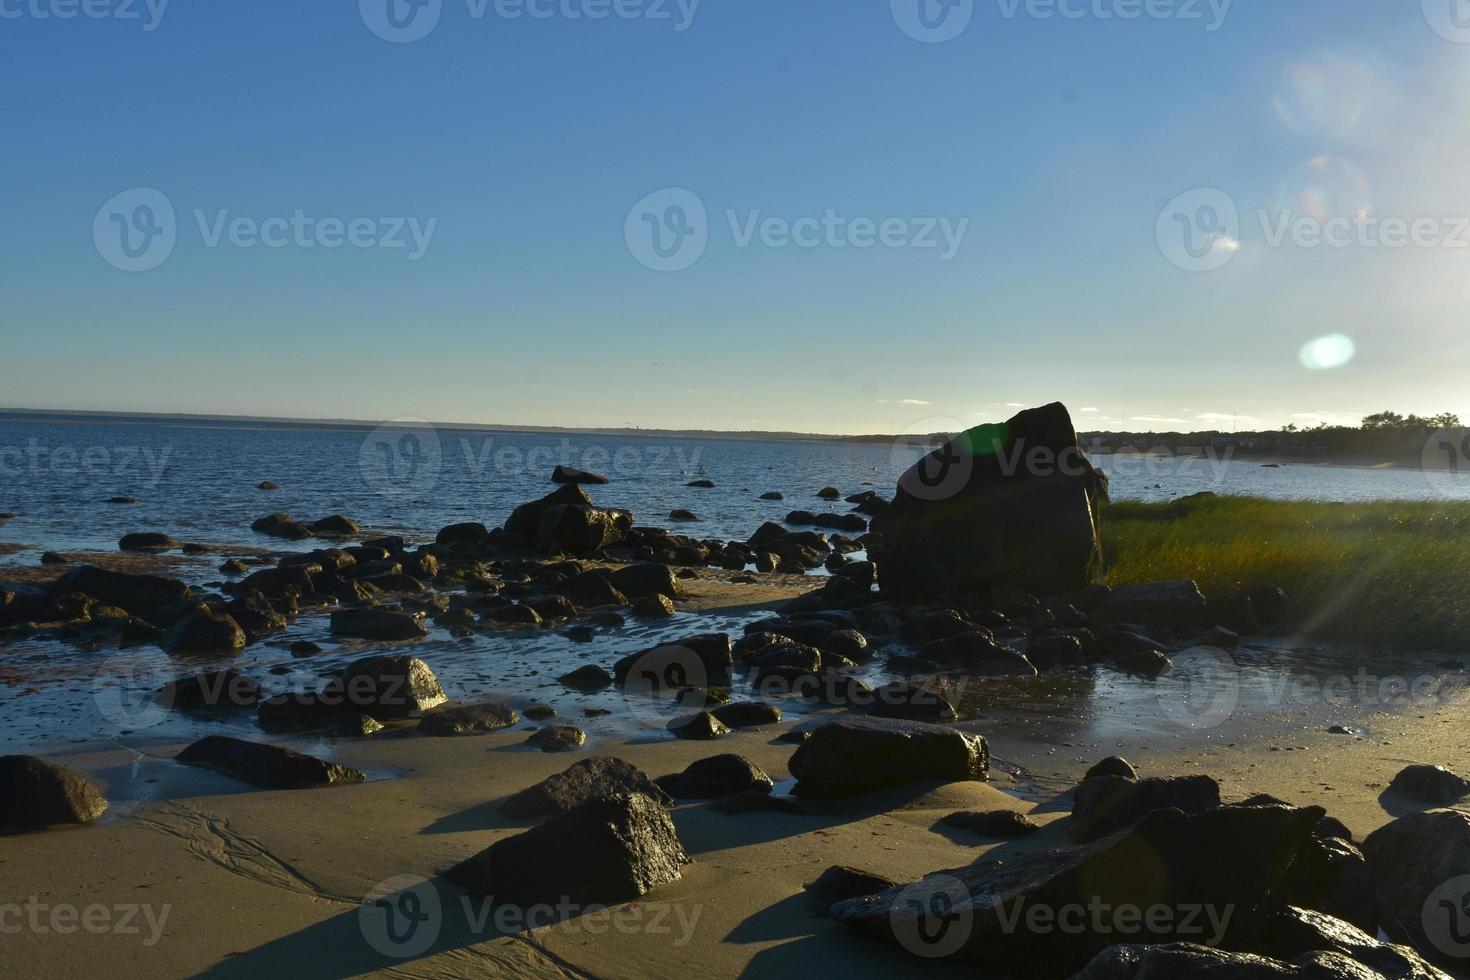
198, 483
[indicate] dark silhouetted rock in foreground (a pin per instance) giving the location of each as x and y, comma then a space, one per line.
858, 755
1417, 862
583, 780
607, 849
1233, 858
1012, 504
273, 766
35, 793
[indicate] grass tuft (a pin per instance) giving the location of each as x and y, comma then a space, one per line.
1392, 574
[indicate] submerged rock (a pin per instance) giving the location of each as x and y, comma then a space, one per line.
147, 541
570, 474
35, 793
265, 765
281, 526
583, 780
858, 755
607, 849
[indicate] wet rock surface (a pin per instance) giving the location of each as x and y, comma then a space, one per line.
271, 766
35, 793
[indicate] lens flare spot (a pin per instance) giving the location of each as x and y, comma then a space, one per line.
1325, 353
1327, 187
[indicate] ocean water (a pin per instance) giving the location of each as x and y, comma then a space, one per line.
198, 483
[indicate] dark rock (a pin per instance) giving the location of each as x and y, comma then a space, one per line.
205, 632
335, 525
644, 578
715, 777
471, 533
1107, 804
1187, 960
1270, 603
772, 495
1231, 857
993, 823
35, 793
318, 713
392, 686
683, 516
1419, 865
701, 484
525, 518
514, 615
1055, 651
858, 755
141, 595
1177, 604
281, 526
1133, 652
539, 712
911, 702
1295, 932
747, 714
590, 678
558, 738
210, 690
583, 780
377, 624
570, 474
977, 652
847, 643
701, 725
590, 589
147, 541
653, 607
265, 765
840, 883
608, 849
123, 500
551, 607
1007, 504
1332, 876
939, 624
1113, 765
1430, 784
265, 485
469, 719
305, 648
694, 661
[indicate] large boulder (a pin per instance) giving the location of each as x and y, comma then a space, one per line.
607, 849
525, 518
35, 793
468, 719
1435, 785
1420, 865
705, 660
274, 766
1014, 503
580, 530
645, 578
1190, 868
858, 755
1296, 932
141, 595
583, 780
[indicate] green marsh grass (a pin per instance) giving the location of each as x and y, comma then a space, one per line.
1391, 575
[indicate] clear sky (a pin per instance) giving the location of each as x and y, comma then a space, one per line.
522, 149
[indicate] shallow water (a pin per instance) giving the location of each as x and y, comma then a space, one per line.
198, 482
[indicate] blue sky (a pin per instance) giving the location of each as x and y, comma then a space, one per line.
522, 144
